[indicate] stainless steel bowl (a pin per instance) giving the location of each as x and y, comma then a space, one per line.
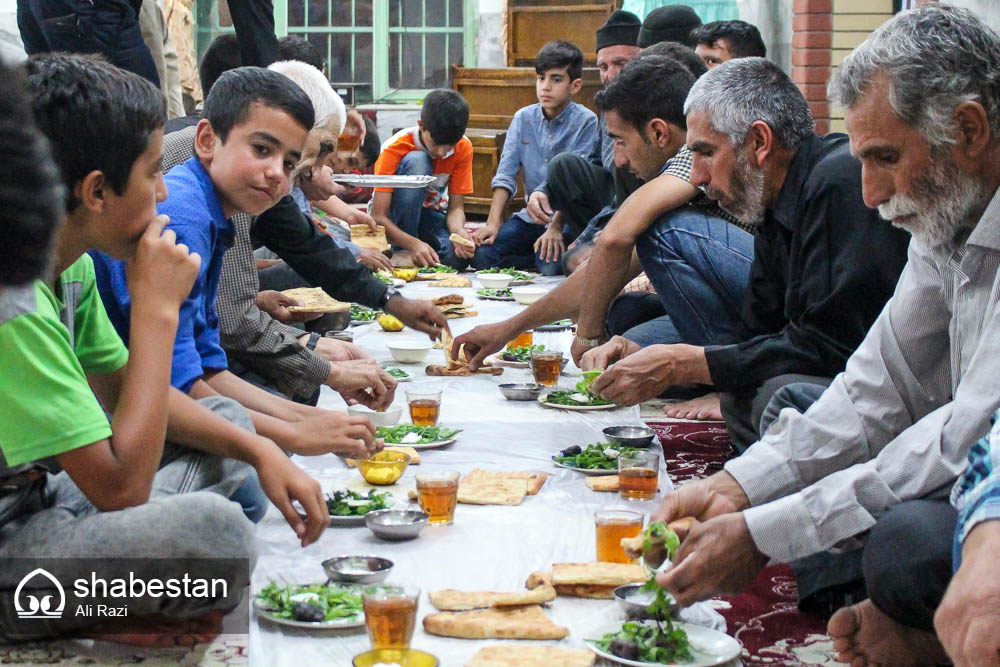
629, 436
521, 391
357, 569
396, 524
634, 601
331, 321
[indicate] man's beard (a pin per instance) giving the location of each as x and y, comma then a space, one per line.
942, 202
747, 185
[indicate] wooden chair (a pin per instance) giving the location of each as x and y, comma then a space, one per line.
529, 26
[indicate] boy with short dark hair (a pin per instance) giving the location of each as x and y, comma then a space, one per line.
123, 491
720, 41
429, 221
537, 134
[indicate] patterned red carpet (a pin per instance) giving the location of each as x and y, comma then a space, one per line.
765, 618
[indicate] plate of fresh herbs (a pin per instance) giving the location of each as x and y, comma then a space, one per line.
581, 398
418, 437
434, 270
397, 373
519, 277
595, 459
348, 508
312, 606
515, 357
362, 314
501, 294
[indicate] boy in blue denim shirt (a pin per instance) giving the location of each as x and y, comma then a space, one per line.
537, 134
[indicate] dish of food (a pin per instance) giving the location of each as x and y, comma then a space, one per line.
398, 374
418, 437
440, 268
312, 606
595, 459
386, 277
556, 326
519, 277
495, 294
572, 400
362, 315
515, 357
348, 508
702, 646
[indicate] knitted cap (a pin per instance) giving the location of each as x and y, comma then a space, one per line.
672, 23
622, 27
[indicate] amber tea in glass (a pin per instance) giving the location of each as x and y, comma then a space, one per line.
611, 527
523, 340
438, 494
425, 406
638, 475
390, 614
546, 366
348, 142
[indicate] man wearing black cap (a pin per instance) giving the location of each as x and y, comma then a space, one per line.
673, 23
575, 189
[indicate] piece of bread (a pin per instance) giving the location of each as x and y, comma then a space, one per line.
461, 240
363, 236
492, 490
452, 281
414, 456
446, 300
536, 579
602, 483
454, 600
597, 574
521, 655
535, 480
314, 300
528, 622
587, 591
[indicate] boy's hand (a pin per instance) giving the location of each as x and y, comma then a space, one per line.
318, 185
361, 218
486, 235
422, 254
283, 482
161, 270
539, 208
375, 260
330, 432
549, 245
464, 251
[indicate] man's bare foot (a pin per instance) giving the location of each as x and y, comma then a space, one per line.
155, 631
863, 635
704, 408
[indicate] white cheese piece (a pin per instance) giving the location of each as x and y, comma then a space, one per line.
410, 438
580, 398
611, 453
304, 597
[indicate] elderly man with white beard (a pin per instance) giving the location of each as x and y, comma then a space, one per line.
876, 453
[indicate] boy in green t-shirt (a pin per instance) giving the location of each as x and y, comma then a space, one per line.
123, 491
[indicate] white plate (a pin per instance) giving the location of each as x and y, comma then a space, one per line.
582, 408
590, 472
495, 360
494, 298
517, 283
426, 445
555, 327
409, 377
710, 647
384, 181
338, 624
349, 521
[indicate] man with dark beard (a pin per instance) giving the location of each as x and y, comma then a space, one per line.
874, 457
823, 265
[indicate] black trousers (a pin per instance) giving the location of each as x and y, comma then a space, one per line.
578, 188
744, 410
254, 24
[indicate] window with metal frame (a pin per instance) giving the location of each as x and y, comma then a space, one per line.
388, 50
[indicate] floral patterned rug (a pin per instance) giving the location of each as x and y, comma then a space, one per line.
765, 618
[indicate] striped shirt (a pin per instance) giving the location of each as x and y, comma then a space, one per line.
898, 423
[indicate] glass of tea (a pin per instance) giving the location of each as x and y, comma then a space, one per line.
638, 474
438, 494
612, 526
348, 142
546, 365
390, 614
425, 406
523, 339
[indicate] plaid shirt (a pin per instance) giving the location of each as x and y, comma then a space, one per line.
250, 336
976, 494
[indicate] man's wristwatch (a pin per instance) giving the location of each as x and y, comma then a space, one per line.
589, 342
389, 293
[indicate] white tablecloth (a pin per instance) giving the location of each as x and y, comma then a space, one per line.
487, 547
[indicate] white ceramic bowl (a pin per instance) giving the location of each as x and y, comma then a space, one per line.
494, 280
387, 418
409, 351
526, 295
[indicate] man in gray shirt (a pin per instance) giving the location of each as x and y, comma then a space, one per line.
922, 107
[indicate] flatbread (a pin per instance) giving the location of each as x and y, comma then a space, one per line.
597, 574
544, 580
492, 491
536, 579
454, 363
414, 455
535, 480
314, 300
455, 314
461, 240
452, 281
446, 300
455, 600
515, 623
602, 483
506, 655
363, 236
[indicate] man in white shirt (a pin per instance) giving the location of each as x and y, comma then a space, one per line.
922, 107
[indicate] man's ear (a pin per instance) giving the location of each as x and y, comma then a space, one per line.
761, 142
973, 128
91, 191
575, 87
660, 132
205, 140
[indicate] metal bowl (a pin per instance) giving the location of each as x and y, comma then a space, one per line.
629, 436
634, 601
396, 524
521, 391
331, 321
357, 569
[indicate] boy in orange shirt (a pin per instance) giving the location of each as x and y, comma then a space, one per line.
421, 220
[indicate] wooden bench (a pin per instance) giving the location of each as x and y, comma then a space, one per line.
529, 26
487, 146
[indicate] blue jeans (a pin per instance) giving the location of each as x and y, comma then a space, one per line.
700, 266
514, 247
408, 212
109, 27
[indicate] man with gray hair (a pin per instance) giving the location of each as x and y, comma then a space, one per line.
823, 267
877, 452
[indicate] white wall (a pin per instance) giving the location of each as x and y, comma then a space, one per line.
489, 34
774, 20
10, 40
